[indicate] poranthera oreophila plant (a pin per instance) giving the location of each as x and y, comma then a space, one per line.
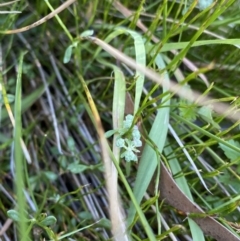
129, 140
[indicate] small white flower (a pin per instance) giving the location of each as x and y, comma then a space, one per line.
129, 156
129, 145
202, 4
136, 133
120, 142
137, 142
128, 121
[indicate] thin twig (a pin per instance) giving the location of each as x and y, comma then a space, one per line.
8, 3
42, 20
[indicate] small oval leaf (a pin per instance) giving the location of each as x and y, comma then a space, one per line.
48, 221
105, 223
10, 98
51, 176
13, 214
87, 33
110, 133
68, 54
85, 215
77, 168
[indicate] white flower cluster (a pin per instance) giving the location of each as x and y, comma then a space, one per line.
202, 4
129, 144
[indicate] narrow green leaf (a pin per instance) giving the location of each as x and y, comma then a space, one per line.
75, 231
196, 232
140, 54
150, 159
227, 207
18, 154
182, 45
118, 106
118, 98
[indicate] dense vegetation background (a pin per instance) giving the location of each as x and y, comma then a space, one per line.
62, 86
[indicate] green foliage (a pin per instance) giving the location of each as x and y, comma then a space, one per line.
229, 153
